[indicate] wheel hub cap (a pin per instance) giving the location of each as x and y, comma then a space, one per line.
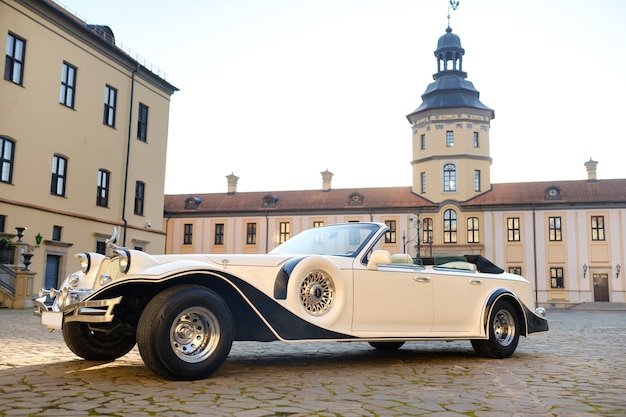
504, 328
195, 334
317, 293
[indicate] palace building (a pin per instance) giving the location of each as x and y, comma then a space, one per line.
566, 237
79, 116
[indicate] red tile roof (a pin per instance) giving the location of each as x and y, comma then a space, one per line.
304, 200
569, 193
394, 198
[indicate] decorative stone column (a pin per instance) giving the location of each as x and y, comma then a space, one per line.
24, 288
24, 279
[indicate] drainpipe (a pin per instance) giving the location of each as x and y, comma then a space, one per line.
167, 227
267, 231
535, 257
130, 128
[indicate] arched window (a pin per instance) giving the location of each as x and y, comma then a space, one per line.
449, 226
449, 177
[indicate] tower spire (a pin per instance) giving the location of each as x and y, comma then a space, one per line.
452, 4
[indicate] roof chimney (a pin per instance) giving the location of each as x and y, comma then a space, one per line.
327, 177
591, 169
232, 183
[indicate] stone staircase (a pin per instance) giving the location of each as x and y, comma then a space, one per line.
599, 306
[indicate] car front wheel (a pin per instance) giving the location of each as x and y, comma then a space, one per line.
185, 333
503, 328
97, 344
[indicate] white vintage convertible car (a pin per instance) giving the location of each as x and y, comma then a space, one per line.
326, 284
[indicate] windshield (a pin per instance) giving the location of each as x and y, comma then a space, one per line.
340, 239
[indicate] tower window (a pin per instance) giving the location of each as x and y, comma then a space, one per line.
475, 140
423, 180
449, 177
449, 138
476, 180
423, 142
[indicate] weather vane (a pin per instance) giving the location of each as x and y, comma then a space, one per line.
452, 4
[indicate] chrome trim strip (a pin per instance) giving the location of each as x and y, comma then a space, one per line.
91, 311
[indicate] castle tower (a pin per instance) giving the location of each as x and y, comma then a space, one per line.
451, 132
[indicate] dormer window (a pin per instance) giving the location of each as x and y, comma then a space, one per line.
355, 199
553, 193
192, 203
270, 200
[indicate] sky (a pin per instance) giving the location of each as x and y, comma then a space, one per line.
277, 91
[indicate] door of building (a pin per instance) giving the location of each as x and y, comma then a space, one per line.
51, 279
600, 287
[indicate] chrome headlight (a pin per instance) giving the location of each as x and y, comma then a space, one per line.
62, 299
67, 297
73, 280
104, 279
85, 261
124, 260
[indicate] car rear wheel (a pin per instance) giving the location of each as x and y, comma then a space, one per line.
185, 333
386, 346
97, 344
503, 328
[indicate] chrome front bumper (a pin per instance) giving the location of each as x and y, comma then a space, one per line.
90, 311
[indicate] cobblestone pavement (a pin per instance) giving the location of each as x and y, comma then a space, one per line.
576, 369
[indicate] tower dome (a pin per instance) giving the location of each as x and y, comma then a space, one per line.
449, 40
451, 88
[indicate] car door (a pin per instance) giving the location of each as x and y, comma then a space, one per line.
392, 301
458, 300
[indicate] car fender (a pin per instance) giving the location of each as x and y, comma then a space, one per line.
504, 293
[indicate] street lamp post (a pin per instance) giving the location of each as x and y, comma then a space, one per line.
416, 224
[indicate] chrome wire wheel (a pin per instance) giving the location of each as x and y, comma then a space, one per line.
195, 334
317, 293
504, 329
